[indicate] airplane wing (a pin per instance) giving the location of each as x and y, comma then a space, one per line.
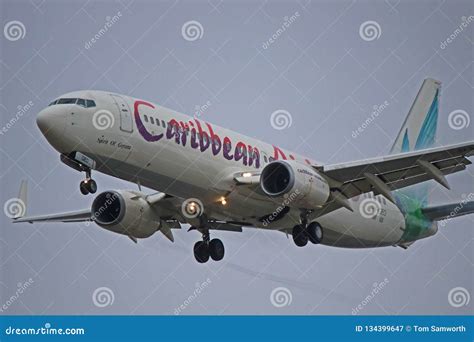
70, 216
385, 174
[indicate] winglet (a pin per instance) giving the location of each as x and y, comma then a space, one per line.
22, 199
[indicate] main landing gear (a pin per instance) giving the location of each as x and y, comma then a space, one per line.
208, 248
88, 185
302, 233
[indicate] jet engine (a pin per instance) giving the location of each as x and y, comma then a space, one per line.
296, 184
125, 212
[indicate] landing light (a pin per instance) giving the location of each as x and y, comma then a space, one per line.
223, 200
247, 174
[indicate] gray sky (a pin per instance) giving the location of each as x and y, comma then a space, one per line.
320, 70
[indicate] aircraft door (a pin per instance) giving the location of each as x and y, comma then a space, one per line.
126, 123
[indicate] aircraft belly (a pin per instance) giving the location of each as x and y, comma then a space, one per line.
343, 228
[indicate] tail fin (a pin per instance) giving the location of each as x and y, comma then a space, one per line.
419, 128
419, 132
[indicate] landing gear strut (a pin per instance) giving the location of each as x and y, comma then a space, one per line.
208, 248
88, 185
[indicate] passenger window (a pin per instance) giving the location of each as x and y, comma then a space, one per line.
81, 102
67, 101
90, 103
157, 122
152, 120
265, 158
163, 123
146, 118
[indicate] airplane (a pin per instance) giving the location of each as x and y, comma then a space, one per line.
214, 179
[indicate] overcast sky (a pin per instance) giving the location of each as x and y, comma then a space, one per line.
324, 70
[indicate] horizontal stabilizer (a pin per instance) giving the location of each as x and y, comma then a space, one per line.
447, 211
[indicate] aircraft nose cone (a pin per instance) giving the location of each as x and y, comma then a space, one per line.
43, 120
52, 125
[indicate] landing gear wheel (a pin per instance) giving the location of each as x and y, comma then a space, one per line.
201, 252
92, 186
300, 236
216, 249
83, 188
315, 232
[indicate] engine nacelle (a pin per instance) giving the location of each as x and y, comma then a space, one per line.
302, 185
125, 212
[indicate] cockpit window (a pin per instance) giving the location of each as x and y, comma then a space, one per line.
90, 103
80, 102
67, 101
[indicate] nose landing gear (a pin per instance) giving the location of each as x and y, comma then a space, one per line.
208, 248
88, 185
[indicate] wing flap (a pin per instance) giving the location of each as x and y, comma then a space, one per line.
398, 171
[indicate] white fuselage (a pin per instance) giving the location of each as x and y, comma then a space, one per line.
128, 140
